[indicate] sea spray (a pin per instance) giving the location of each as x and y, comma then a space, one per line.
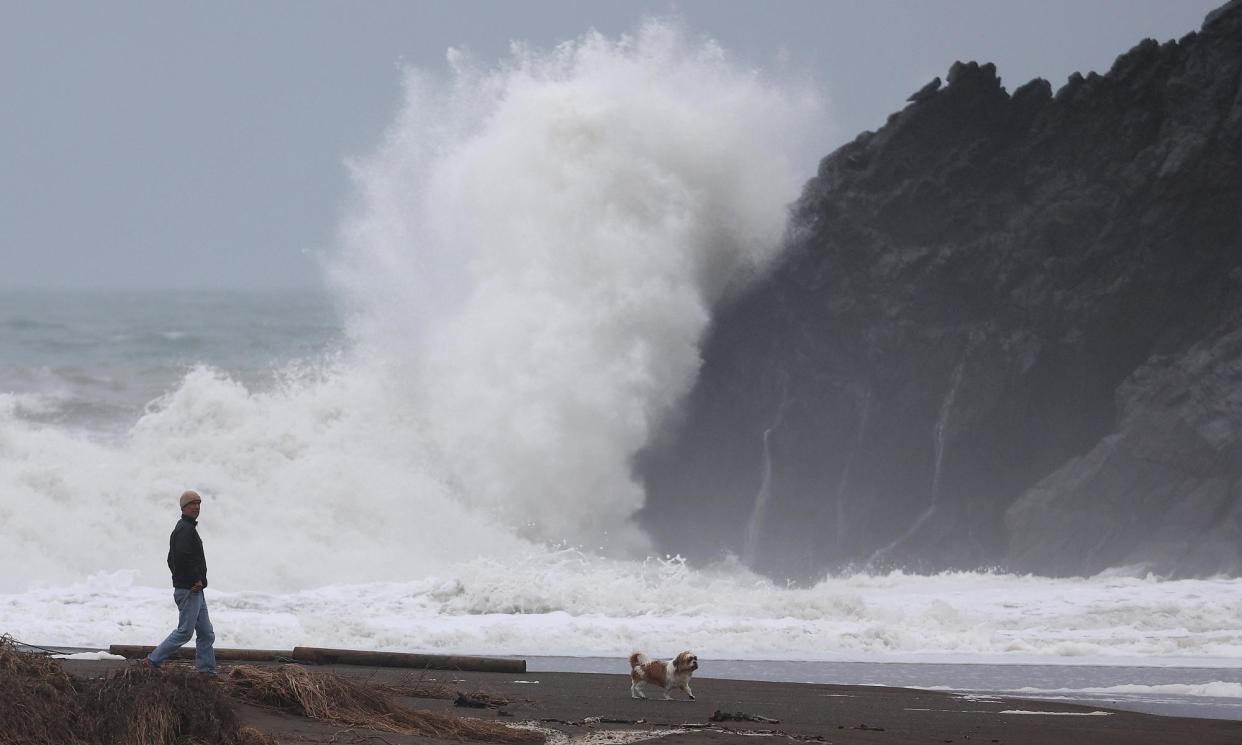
534, 254
538, 249
302, 486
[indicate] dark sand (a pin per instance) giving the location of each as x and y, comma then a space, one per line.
596, 709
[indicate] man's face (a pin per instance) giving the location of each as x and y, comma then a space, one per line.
191, 509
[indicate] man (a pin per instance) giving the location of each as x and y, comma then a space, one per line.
189, 576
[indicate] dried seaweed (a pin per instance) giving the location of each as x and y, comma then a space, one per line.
318, 695
40, 701
418, 687
141, 707
43, 705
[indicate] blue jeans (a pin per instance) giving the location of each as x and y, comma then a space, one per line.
192, 620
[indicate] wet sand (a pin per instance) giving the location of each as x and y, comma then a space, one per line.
595, 708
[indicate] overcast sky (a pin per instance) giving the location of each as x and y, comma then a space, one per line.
202, 145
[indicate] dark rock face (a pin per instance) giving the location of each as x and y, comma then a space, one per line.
1006, 331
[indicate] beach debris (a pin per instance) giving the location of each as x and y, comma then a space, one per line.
326, 697
41, 704
419, 687
740, 716
136, 706
869, 728
469, 702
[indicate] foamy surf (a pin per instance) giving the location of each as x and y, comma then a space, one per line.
1212, 689
566, 603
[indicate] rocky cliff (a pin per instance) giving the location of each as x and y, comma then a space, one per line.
1006, 331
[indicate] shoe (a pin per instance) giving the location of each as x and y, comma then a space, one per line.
145, 664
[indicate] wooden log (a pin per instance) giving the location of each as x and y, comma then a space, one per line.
134, 651
320, 656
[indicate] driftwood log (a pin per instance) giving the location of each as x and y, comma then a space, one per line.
321, 656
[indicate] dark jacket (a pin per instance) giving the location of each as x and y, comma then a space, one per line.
185, 555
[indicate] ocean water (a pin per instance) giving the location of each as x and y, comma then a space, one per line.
92, 360
432, 452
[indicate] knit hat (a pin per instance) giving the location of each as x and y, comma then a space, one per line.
190, 496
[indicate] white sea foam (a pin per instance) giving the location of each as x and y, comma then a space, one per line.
94, 656
1212, 689
566, 603
305, 486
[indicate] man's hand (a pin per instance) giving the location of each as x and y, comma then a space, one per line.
197, 586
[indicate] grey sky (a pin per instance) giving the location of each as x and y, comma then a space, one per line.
176, 144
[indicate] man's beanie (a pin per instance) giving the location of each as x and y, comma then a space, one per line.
188, 497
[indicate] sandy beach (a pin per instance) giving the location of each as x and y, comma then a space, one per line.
597, 708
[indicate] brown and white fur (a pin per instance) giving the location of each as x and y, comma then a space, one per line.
661, 674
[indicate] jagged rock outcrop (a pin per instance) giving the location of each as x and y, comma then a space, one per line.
1005, 332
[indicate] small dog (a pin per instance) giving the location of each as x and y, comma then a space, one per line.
666, 675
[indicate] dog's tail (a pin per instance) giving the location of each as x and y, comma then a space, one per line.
638, 660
